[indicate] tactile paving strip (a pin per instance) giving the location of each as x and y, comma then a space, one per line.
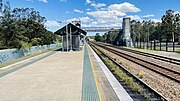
89, 90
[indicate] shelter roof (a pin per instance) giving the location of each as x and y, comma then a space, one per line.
74, 30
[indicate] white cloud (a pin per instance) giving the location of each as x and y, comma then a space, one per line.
98, 5
88, 22
106, 14
176, 12
124, 7
148, 16
117, 13
114, 10
156, 20
45, 1
100, 14
85, 19
63, 0
94, 4
88, 9
103, 23
135, 17
82, 19
88, 1
112, 15
138, 18
52, 24
78, 11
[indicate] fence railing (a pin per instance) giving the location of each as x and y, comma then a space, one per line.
160, 46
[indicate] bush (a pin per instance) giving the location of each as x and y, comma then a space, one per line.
25, 46
140, 75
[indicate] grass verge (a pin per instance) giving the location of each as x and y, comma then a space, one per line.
135, 87
170, 49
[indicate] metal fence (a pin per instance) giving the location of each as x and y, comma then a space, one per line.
159, 46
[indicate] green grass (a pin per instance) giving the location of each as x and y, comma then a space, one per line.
178, 52
26, 57
170, 49
140, 75
128, 80
143, 50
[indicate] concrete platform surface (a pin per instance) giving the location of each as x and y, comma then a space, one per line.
111, 89
57, 77
105, 89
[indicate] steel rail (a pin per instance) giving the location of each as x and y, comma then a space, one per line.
135, 78
162, 58
173, 75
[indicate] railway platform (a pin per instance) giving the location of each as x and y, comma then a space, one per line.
60, 76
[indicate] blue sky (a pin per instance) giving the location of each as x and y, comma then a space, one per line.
104, 13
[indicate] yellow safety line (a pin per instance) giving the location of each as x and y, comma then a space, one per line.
95, 77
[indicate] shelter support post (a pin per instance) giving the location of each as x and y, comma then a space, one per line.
173, 42
71, 37
67, 37
62, 44
79, 41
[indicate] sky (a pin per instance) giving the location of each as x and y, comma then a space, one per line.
97, 13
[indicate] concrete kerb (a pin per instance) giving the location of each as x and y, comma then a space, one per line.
117, 87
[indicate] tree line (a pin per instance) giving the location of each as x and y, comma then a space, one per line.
145, 31
23, 27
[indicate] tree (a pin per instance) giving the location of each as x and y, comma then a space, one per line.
170, 24
104, 37
23, 27
98, 37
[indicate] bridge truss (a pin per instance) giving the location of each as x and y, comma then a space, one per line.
101, 29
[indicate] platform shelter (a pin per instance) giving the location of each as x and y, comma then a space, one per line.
72, 37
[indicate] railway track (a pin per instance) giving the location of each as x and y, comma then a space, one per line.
162, 58
156, 96
171, 74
